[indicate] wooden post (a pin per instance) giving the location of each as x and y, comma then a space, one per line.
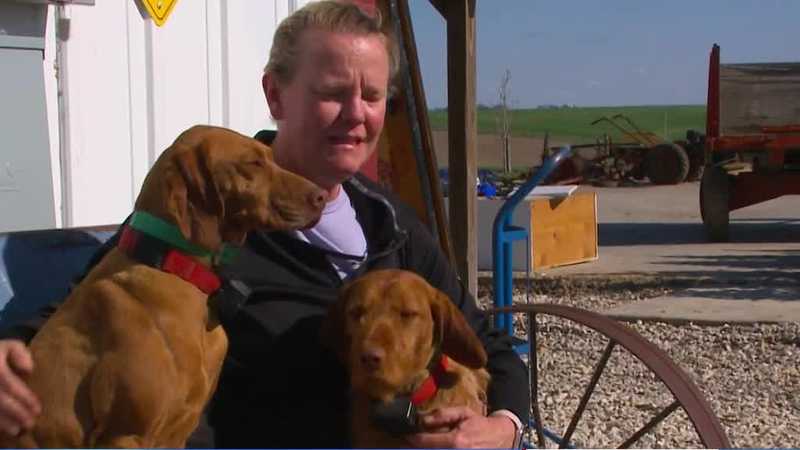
462, 136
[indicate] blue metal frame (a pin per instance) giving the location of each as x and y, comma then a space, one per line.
504, 234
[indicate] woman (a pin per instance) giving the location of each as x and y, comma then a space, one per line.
326, 85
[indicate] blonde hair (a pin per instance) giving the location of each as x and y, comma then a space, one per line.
325, 15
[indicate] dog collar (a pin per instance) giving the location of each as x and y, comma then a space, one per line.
399, 416
157, 253
168, 233
431, 384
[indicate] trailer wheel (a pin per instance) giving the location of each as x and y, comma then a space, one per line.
666, 163
714, 197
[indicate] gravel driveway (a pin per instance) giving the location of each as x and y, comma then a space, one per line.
749, 373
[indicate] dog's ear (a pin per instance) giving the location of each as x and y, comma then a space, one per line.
200, 197
457, 338
333, 333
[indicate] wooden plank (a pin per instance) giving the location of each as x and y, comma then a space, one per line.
462, 138
406, 158
421, 130
564, 231
756, 95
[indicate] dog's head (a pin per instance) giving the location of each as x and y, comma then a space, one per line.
386, 327
216, 185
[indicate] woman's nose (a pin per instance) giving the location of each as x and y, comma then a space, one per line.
353, 110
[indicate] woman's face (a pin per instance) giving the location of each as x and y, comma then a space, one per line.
330, 114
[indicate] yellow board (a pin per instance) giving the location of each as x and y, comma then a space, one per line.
564, 231
159, 10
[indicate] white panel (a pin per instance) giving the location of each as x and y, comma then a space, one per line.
141, 128
51, 99
180, 73
216, 11
250, 26
283, 8
133, 87
99, 125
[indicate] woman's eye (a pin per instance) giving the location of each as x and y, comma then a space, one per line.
374, 97
329, 94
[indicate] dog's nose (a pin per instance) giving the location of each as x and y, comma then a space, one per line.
372, 358
318, 199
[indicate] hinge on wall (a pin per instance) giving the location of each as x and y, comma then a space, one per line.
63, 28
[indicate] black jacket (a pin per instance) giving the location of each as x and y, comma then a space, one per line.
279, 386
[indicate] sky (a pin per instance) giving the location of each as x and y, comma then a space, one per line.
606, 52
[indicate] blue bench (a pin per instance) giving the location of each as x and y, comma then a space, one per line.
37, 267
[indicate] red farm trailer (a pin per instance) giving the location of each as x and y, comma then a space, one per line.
752, 144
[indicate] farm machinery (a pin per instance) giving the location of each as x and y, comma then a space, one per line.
641, 154
752, 143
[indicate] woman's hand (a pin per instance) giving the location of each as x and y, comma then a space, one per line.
19, 406
460, 427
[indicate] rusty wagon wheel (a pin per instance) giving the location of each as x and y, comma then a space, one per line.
680, 407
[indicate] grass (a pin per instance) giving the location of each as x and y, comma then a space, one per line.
574, 123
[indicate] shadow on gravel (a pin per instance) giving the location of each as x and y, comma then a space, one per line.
741, 231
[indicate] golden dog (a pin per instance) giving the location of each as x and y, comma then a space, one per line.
132, 356
390, 328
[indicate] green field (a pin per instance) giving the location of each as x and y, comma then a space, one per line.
574, 123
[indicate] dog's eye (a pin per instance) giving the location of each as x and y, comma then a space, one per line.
408, 314
257, 163
356, 313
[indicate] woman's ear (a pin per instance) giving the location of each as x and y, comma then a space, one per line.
272, 93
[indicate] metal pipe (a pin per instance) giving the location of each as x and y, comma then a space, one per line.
62, 100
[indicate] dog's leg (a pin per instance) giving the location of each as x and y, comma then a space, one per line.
203, 378
125, 407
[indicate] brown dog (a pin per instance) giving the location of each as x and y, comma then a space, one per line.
391, 328
132, 356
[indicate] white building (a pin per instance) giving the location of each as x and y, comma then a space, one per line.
91, 92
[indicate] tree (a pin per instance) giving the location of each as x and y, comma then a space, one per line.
504, 119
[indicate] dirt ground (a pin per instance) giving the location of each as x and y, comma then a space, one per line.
525, 151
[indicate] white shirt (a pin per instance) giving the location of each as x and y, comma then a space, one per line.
339, 231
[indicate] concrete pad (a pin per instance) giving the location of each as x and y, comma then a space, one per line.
657, 230
707, 306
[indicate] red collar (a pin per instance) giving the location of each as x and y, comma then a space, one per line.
428, 389
157, 253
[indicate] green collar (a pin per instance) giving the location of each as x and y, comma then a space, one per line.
162, 230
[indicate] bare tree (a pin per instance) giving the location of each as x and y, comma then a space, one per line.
504, 119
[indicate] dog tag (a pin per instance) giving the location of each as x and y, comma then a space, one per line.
398, 417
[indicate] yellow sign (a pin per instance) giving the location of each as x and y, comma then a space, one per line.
159, 10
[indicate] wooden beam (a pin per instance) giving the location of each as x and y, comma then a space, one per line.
462, 137
441, 6
430, 166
